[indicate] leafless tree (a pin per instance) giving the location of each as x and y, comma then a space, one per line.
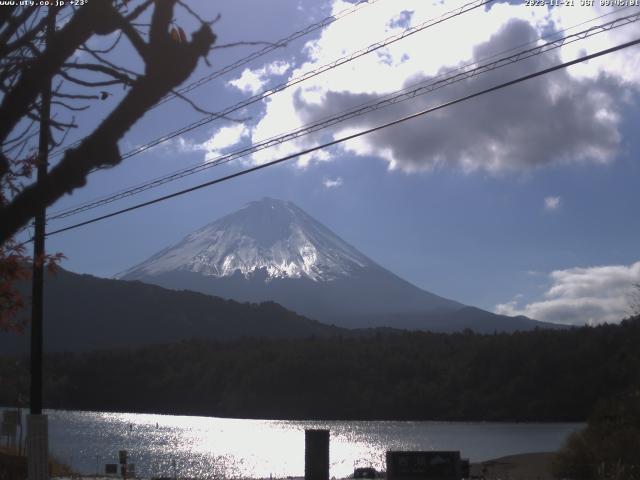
634, 302
28, 63
168, 61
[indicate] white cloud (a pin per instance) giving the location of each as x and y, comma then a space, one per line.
332, 183
571, 116
250, 81
552, 203
224, 138
184, 145
579, 296
578, 123
277, 68
254, 81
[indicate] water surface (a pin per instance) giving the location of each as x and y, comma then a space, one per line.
208, 447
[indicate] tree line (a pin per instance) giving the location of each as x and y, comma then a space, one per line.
542, 375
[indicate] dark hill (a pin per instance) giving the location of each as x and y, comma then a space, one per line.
83, 313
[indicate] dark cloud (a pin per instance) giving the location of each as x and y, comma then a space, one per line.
556, 118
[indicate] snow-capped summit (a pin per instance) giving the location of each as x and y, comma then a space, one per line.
271, 250
270, 235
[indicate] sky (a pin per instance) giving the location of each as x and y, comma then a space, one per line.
520, 201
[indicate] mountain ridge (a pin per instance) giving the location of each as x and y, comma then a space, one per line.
83, 312
273, 250
271, 234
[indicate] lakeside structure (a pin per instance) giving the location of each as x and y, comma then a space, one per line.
401, 465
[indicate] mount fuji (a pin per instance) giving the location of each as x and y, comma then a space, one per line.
271, 250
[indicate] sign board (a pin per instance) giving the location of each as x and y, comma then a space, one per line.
111, 468
424, 465
122, 454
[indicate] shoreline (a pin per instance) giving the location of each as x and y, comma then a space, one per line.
285, 418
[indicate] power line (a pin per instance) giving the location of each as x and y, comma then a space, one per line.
277, 139
408, 93
249, 58
352, 136
305, 76
403, 95
342, 60
279, 43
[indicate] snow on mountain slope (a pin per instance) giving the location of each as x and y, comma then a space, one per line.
270, 235
271, 250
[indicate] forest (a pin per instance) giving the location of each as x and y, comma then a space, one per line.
542, 375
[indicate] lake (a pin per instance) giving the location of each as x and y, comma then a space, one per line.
209, 447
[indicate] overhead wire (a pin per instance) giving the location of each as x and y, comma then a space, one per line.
268, 49
305, 76
249, 58
354, 135
342, 60
309, 74
407, 93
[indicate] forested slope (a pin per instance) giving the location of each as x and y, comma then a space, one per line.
531, 376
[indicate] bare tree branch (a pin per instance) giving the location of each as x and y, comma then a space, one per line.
168, 64
89, 83
106, 62
19, 136
6, 48
106, 70
4, 164
136, 12
92, 18
70, 107
57, 143
61, 126
207, 112
134, 37
108, 49
76, 96
198, 17
15, 23
634, 301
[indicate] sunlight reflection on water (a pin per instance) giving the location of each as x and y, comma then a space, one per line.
207, 447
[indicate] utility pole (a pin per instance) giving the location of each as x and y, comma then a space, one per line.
37, 427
